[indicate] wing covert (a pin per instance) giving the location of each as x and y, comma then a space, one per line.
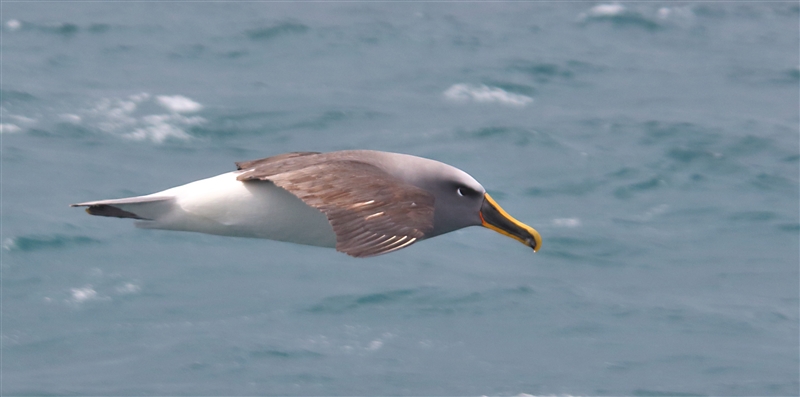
371, 212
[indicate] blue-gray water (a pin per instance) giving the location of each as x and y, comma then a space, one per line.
654, 146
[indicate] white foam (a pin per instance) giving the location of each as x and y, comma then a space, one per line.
652, 212
132, 117
13, 24
158, 133
9, 244
141, 97
114, 115
128, 288
125, 107
607, 10
179, 104
9, 128
70, 118
20, 123
375, 345
485, 94
83, 294
22, 119
680, 13
603, 11
160, 127
567, 222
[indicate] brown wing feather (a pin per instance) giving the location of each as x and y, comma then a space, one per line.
274, 161
371, 212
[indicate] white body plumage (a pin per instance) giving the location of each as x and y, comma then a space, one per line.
225, 206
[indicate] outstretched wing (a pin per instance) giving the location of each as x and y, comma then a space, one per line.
371, 212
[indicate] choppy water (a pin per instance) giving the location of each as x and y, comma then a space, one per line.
653, 145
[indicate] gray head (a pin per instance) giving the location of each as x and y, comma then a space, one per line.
460, 201
458, 196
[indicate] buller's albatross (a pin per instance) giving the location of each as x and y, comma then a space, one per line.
361, 202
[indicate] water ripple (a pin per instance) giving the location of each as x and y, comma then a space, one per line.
619, 16
31, 243
285, 28
423, 300
284, 354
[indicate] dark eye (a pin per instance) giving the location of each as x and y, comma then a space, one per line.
465, 191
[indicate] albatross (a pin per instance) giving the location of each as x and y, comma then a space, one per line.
361, 202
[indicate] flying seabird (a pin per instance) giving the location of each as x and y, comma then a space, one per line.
361, 202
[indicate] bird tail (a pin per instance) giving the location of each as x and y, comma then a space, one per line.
143, 207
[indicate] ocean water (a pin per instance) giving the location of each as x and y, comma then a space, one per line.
654, 145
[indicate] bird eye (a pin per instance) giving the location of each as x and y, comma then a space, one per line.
463, 191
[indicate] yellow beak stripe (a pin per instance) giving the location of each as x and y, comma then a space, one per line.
537, 239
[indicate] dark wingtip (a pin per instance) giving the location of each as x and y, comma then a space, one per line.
107, 210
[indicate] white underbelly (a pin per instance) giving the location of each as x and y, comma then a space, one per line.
224, 206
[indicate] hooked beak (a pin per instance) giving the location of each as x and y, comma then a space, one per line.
493, 217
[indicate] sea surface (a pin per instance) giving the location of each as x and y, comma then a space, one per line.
654, 145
